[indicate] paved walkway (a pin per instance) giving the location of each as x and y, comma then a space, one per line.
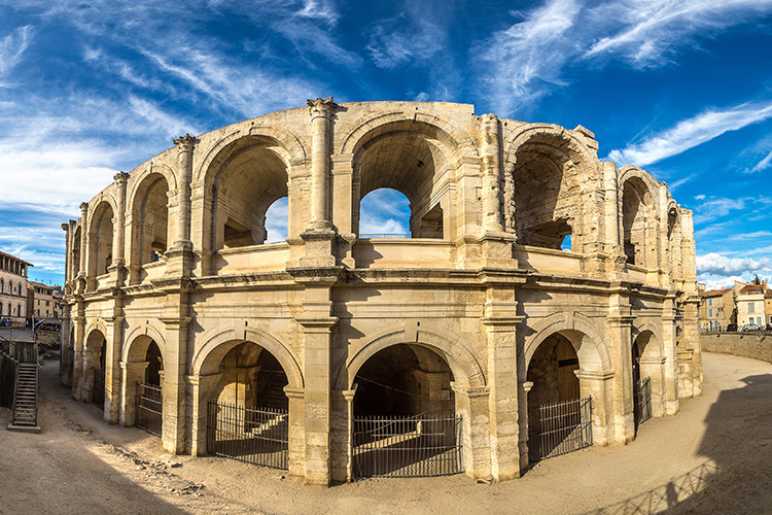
713, 457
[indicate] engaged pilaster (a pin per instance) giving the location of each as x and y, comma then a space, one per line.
119, 228
185, 146
83, 248
489, 153
320, 110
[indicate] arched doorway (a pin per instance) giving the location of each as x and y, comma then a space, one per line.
95, 373
248, 416
404, 415
559, 411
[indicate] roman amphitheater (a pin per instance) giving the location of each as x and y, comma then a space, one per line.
542, 302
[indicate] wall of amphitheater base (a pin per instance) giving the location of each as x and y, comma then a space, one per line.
429, 345
747, 345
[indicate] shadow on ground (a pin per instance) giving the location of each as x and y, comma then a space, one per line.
737, 446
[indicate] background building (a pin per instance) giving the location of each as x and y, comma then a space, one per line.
751, 305
13, 290
45, 300
717, 309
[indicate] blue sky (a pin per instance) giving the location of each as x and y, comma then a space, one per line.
683, 88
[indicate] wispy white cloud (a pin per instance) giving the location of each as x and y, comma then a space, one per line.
12, 48
692, 132
645, 31
277, 220
763, 164
324, 10
753, 235
169, 124
401, 41
715, 208
384, 211
527, 58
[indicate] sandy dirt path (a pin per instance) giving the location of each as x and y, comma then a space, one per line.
714, 457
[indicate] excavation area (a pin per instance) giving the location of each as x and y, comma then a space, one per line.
712, 458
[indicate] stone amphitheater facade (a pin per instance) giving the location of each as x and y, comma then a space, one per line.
494, 314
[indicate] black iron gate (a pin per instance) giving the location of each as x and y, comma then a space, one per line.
407, 446
643, 401
149, 408
559, 428
254, 436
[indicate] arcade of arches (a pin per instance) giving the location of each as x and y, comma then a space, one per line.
527, 277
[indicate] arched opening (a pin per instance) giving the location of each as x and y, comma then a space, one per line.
150, 224
636, 216
408, 158
385, 212
405, 421
559, 408
547, 193
248, 416
251, 177
277, 220
101, 240
95, 373
143, 374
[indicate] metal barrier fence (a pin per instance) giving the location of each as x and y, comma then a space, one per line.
407, 446
149, 408
643, 408
254, 436
559, 428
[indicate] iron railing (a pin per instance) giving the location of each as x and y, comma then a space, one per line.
407, 446
254, 436
559, 428
149, 408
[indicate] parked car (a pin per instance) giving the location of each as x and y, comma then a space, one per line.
747, 328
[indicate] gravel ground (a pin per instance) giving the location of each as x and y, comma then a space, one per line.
713, 457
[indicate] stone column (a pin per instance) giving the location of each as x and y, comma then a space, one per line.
489, 153
501, 333
173, 385
669, 353
133, 374
79, 322
296, 447
317, 409
522, 408
83, 266
619, 334
613, 237
599, 386
119, 228
67, 252
321, 110
185, 147
113, 370
473, 405
201, 387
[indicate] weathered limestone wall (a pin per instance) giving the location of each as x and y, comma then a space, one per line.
753, 346
480, 286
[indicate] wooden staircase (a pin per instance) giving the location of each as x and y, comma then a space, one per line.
25, 402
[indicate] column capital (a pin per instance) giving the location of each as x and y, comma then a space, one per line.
120, 178
186, 141
65, 227
320, 106
84, 207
